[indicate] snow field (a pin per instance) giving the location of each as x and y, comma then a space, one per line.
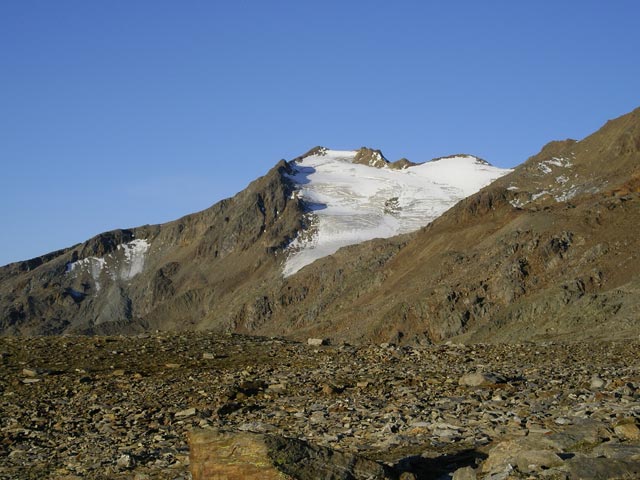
350, 203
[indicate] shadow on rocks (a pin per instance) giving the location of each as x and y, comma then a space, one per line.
425, 468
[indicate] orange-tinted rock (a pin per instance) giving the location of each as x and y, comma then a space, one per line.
230, 456
219, 455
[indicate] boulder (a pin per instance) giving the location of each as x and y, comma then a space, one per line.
248, 456
465, 473
601, 468
627, 429
480, 379
529, 453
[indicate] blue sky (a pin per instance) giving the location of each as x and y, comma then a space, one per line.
121, 113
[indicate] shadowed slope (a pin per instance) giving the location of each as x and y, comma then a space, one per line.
185, 270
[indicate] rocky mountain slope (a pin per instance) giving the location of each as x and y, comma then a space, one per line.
547, 251
211, 269
163, 276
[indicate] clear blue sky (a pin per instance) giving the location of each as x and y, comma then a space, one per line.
120, 113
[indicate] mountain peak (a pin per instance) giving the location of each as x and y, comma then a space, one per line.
371, 157
317, 150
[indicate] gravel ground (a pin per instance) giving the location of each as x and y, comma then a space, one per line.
121, 407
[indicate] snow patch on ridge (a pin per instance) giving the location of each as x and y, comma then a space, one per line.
545, 166
134, 255
350, 203
92, 265
561, 191
123, 264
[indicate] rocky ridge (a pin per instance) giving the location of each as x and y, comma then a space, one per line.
179, 277
376, 159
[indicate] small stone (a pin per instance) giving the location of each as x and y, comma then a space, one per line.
172, 365
29, 372
530, 461
407, 476
317, 342
596, 383
255, 427
277, 387
479, 379
445, 433
562, 421
317, 417
30, 380
189, 412
16, 453
125, 461
465, 473
627, 429
208, 356
329, 389
249, 388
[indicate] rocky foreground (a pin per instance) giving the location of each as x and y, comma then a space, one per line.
122, 407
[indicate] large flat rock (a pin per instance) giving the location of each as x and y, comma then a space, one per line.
241, 456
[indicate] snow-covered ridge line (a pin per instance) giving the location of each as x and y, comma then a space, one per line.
131, 263
351, 202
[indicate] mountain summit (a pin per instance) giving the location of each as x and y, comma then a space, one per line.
348, 245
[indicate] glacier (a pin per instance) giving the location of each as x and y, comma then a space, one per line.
349, 203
